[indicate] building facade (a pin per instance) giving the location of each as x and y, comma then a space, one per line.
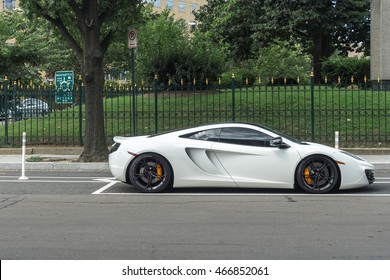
380, 43
181, 9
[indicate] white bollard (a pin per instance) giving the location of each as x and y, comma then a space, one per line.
23, 177
336, 140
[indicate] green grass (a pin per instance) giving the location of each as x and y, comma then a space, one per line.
360, 115
35, 159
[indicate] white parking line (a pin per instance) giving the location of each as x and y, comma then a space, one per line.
47, 181
38, 179
243, 194
112, 182
109, 185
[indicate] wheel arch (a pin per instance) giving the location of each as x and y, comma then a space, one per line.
296, 186
153, 153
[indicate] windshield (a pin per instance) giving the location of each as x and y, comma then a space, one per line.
285, 136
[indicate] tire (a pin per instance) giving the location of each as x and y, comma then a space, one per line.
151, 173
318, 174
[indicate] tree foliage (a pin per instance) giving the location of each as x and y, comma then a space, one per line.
20, 46
322, 27
89, 27
168, 50
231, 23
31, 49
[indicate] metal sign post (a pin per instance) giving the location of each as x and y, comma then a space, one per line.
132, 44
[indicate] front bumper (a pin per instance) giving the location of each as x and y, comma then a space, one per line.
370, 175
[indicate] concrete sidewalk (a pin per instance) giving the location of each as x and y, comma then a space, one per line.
65, 158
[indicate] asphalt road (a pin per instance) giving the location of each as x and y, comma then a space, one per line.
62, 215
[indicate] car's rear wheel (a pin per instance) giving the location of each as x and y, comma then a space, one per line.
318, 174
151, 173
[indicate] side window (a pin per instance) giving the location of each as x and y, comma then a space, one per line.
244, 136
205, 135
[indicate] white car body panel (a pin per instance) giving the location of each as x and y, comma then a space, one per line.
267, 170
199, 163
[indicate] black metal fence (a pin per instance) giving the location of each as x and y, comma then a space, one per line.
308, 112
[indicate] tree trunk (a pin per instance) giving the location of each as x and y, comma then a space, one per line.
321, 51
95, 147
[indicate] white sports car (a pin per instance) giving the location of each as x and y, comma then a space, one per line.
236, 155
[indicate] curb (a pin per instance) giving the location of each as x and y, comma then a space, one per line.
43, 150
42, 166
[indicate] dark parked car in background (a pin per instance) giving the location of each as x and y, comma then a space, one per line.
25, 109
32, 107
11, 110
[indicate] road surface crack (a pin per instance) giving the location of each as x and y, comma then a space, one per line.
12, 203
290, 199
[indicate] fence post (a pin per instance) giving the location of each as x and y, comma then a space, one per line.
312, 104
233, 98
5, 110
80, 111
155, 104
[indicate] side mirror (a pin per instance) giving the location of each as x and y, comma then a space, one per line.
278, 142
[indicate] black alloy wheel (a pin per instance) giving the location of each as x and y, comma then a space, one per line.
318, 174
151, 173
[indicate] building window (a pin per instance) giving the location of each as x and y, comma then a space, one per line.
182, 7
170, 4
193, 7
9, 5
156, 3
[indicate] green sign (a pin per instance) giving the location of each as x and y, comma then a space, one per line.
64, 87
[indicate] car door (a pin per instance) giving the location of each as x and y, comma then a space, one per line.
247, 156
197, 163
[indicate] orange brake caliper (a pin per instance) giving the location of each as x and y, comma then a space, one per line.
306, 173
159, 171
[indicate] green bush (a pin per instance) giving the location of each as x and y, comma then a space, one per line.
243, 74
346, 67
280, 61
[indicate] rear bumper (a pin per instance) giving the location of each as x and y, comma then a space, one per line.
118, 163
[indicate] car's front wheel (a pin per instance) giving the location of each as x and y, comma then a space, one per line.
318, 174
151, 173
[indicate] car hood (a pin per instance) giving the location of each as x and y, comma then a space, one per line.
310, 148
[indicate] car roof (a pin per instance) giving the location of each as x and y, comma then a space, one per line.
207, 126
183, 131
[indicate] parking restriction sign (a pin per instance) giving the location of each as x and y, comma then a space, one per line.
132, 39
